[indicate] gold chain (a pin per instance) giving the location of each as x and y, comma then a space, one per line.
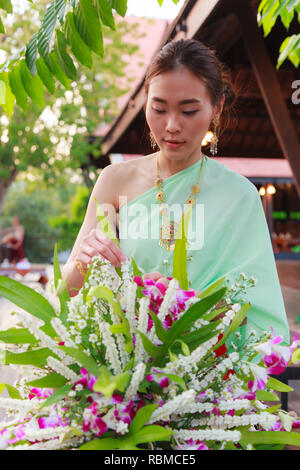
170, 228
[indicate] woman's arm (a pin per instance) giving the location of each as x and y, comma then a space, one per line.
90, 237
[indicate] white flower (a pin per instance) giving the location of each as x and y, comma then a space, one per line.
236, 307
81, 324
78, 339
93, 338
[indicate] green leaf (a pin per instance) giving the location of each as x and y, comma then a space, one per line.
180, 253
64, 59
287, 48
270, 437
37, 358
12, 391
275, 384
54, 10
286, 17
263, 395
236, 322
105, 224
2, 92
101, 444
2, 30
175, 378
150, 348
120, 6
151, 433
105, 13
102, 292
52, 380
83, 359
32, 85
17, 87
141, 418
212, 288
45, 74
31, 53
108, 383
89, 26
7, 97
161, 333
27, 299
54, 66
64, 296
17, 336
6, 5
80, 50
57, 396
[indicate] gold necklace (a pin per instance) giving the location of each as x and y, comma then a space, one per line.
170, 228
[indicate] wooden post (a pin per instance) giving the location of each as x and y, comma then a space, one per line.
269, 86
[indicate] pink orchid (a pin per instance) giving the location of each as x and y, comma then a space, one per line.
19, 434
93, 422
261, 378
164, 382
88, 380
276, 357
40, 393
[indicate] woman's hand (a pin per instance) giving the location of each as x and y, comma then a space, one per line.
95, 244
159, 277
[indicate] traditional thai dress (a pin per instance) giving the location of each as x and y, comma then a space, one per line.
228, 235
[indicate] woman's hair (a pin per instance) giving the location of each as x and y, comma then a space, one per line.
203, 63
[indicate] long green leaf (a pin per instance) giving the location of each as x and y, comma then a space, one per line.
151, 433
89, 26
52, 380
32, 85
54, 10
102, 444
180, 253
150, 348
6, 5
236, 322
31, 53
57, 395
37, 358
141, 418
17, 87
17, 336
105, 13
27, 299
53, 64
212, 288
83, 359
270, 437
161, 333
278, 386
120, 6
64, 297
64, 59
79, 48
9, 98
12, 391
45, 74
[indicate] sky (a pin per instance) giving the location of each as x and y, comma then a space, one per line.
151, 8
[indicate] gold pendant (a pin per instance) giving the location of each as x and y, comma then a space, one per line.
168, 234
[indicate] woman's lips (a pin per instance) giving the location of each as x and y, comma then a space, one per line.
173, 145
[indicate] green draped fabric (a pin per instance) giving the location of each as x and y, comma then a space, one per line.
228, 235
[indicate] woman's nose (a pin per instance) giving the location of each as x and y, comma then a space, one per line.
173, 124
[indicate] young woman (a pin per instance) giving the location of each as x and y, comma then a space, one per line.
187, 92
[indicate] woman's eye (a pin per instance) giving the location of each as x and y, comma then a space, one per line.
190, 112
158, 110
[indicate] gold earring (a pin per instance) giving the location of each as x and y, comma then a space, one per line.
152, 141
214, 141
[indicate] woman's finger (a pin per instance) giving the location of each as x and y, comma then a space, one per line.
155, 275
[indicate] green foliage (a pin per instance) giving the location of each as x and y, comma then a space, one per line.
268, 13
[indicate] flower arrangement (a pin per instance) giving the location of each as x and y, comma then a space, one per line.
132, 364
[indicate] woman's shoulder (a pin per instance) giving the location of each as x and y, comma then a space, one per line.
237, 183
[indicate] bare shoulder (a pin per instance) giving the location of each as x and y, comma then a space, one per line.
128, 179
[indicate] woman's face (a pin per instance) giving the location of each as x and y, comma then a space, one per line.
179, 112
